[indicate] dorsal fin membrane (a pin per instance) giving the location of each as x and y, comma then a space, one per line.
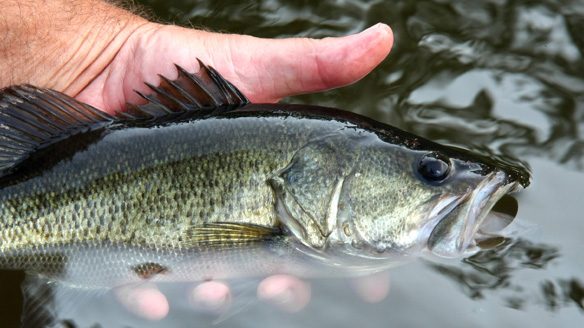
204, 90
32, 118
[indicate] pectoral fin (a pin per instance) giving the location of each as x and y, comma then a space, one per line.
230, 234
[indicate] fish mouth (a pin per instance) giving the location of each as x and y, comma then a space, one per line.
473, 219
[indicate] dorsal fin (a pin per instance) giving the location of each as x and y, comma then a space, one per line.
205, 92
32, 118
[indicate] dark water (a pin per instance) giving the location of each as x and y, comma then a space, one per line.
503, 75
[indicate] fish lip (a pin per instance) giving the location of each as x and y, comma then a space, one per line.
476, 205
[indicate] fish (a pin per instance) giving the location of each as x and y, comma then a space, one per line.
199, 183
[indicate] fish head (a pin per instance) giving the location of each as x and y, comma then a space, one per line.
377, 200
439, 201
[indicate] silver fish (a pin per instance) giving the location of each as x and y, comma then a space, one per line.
201, 184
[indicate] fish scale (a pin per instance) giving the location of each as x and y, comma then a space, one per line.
123, 204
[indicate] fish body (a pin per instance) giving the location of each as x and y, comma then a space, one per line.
200, 184
147, 189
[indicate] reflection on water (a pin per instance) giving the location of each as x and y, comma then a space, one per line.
563, 292
493, 271
503, 75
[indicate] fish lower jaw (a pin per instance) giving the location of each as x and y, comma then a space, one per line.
455, 235
486, 209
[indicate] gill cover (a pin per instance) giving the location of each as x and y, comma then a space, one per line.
308, 188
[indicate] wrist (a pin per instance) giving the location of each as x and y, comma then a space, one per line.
61, 44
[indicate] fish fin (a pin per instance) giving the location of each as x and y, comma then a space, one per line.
33, 118
227, 234
48, 303
205, 93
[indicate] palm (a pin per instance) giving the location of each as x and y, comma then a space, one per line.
264, 70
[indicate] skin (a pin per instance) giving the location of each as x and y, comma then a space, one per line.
99, 53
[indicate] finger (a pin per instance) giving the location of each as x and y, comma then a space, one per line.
211, 296
299, 66
266, 70
373, 288
284, 292
287, 67
145, 301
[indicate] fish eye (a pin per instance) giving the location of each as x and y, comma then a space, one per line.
434, 166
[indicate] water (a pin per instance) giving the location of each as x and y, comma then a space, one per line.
507, 75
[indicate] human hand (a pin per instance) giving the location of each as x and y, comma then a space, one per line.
100, 54
282, 292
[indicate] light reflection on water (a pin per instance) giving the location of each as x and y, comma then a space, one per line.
507, 75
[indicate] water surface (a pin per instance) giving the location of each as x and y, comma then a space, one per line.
501, 75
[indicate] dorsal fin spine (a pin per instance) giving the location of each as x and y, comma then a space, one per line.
33, 118
134, 109
219, 81
167, 95
205, 93
229, 88
182, 91
240, 96
197, 82
153, 100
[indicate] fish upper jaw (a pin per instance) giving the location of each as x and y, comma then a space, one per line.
457, 224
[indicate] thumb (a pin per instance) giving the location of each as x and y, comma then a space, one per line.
266, 70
